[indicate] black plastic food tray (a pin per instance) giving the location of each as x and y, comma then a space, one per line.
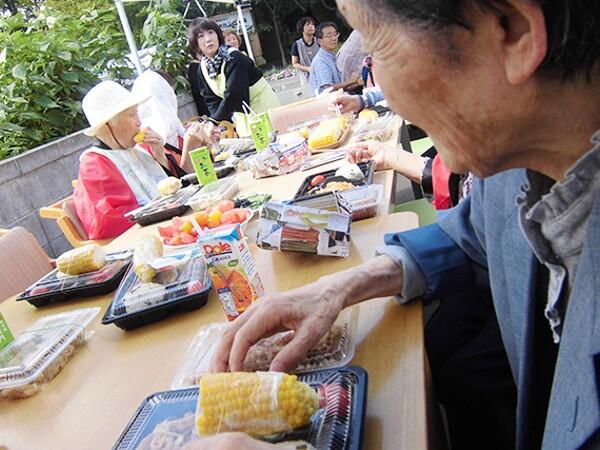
75, 286
368, 169
336, 426
129, 321
149, 215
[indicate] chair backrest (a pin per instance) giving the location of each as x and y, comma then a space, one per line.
22, 262
284, 117
68, 207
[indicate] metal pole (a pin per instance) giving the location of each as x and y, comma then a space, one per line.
129, 35
245, 31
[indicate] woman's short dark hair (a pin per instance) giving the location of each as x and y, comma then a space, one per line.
198, 25
571, 25
302, 23
322, 26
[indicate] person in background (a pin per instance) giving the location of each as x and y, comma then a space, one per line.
350, 57
304, 49
232, 39
117, 175
224, 77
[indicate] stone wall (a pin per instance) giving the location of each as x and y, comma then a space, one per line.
41, 177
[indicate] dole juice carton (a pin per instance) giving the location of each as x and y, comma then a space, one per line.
232, 270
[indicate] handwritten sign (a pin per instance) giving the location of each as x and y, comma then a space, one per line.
260, 127
6, 336
203, 165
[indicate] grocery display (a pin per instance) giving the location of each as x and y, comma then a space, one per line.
232, 270
163, 208
213, 193
56, 286
330, 134
169, 185
331, 180
333, 350
181, 283
166, 420
85, 259
256, 403
41, 351
290, 227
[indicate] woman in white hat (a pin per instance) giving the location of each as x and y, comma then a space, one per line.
116, 175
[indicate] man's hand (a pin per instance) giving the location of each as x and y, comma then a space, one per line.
228, 441
380, 153
346, 103
310, 311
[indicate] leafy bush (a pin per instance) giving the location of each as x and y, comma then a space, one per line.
46, 66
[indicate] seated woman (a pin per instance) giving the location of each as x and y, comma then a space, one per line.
115, 175
223, 78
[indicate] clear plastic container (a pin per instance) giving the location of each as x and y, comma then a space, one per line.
335, 349
378, 130
223, 189
167, 420
365, 200
40, 352
183, 284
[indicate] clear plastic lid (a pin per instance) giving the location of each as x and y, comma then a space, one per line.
334, 350
164, 203
380, 129
56, 281
33, 350
223, 189
364, 196
180, 275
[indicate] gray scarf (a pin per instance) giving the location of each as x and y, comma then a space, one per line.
214, 64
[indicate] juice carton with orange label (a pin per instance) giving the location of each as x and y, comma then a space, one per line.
232, 270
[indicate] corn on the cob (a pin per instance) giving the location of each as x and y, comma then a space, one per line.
88, 258
328, 132
259, 403
140, 136
147, 248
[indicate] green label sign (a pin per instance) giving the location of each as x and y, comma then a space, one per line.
260, 127
6, 336
203, 165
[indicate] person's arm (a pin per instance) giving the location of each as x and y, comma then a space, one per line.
197, 135
296, 65
237, 86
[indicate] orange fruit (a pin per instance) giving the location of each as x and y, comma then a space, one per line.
202, 218
215, 216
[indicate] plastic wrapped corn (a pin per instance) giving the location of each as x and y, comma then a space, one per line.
259, 403
147, 248
328, 132
168, 185
88, 258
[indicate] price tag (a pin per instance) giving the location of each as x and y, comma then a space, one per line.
6, 336
260, 127
203, 165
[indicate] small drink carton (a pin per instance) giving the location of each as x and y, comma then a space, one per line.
232, 270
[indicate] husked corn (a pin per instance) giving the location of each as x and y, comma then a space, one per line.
147, 248
258, 403
88, 258
328, 132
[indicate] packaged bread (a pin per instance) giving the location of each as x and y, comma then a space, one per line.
168, 186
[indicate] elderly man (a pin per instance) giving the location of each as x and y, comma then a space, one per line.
324, 72
507, 89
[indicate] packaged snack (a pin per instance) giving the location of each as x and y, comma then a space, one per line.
163, 208
146, 249
213, 193
291, 227
169, 186
40, 352
284, 156
365, 201
85, 259
330, 133
329, 180
180, 283
56, 286
380, 129
166, 419
232, 270
334, 350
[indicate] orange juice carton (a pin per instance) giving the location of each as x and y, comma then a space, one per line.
232, 270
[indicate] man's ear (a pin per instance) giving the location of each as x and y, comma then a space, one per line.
525, 40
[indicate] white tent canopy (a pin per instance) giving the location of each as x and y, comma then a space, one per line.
131, 40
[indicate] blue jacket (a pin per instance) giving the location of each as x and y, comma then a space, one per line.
483, 233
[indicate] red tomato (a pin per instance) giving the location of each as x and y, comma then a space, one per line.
316, 180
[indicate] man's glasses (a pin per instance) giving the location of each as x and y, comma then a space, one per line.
331, 36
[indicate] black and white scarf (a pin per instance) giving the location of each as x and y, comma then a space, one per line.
214, 64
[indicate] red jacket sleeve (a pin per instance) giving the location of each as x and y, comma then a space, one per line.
441, 189
102, 197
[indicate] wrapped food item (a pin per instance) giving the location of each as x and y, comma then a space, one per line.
350, 171
329, 133
147, 248
282, 157
169, 186
259, 403
88, 258
335, 349
41, 351
213, 193
368, 115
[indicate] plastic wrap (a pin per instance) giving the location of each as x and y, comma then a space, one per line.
85, 259
334, 350
165, 420
381, 129
181, 282
279, 158
40, 352
257, 403
365, 200
163, 208
213, 193
147, 248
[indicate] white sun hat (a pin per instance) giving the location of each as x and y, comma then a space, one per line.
104, 101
